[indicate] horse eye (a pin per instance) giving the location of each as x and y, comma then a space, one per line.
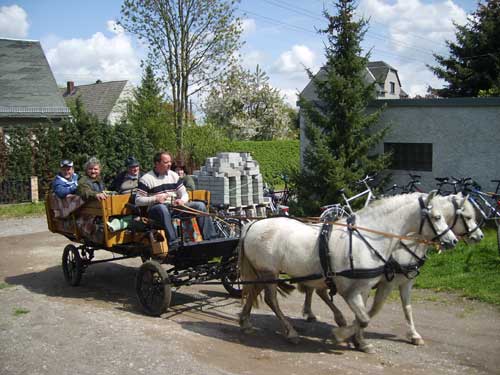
437, 217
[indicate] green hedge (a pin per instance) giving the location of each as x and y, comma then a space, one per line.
275, 157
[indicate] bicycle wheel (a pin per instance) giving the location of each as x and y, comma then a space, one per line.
227, 227
333, 214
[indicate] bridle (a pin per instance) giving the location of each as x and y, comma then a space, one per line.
426, 216
459, 213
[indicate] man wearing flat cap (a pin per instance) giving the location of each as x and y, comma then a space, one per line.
127, 181
66, 180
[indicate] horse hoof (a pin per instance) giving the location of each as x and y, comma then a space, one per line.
367, 348
311, 319
418, 341
341, 322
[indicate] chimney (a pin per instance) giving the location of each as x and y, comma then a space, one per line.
70, 87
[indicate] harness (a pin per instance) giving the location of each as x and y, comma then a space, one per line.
459, 213
390, 266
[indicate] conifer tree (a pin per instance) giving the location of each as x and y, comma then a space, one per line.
151, 113
339, 129
473, 66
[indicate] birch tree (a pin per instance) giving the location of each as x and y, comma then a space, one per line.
190, 44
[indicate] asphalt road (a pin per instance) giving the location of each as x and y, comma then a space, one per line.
47, 327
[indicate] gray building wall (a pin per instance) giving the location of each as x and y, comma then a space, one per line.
464, 133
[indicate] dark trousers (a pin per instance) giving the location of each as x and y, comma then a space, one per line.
161, 217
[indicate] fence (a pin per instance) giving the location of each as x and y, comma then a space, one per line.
18, 191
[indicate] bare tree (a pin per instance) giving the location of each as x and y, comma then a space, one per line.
191, 43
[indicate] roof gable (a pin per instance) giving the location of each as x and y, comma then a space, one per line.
27, 85
98, 98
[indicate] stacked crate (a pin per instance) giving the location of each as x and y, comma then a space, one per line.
233, 179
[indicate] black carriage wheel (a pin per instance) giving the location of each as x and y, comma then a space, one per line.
72, 265
230, 276
153, 289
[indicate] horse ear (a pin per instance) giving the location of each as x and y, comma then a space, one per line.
430, 197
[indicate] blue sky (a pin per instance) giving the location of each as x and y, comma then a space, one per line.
80, 44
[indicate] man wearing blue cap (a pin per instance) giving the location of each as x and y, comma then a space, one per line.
66, 180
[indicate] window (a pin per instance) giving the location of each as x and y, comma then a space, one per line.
410, 156
393, 87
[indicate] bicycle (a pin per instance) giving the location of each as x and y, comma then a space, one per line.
486, 204
278, 200
410, 187
336, 211
226, 224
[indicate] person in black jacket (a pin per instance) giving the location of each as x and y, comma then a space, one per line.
127, 181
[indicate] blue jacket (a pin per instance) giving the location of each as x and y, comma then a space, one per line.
63, 187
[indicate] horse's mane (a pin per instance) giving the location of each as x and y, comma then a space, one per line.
388, 205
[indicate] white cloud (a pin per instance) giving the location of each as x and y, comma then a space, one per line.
114, 28
290, 96
13, 22
99, 57
248, 25
405, 34
416, 78
250, 59
413, 24
295, 59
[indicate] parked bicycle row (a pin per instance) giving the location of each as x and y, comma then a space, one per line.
487, 204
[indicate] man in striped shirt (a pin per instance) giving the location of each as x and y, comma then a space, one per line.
161, 187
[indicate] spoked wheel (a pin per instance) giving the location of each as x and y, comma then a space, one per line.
153, 288
230, 276
333, 214
228, 227
72, 265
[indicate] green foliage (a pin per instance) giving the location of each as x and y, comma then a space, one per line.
338, 125
201, 142
473, 271
19, 154
276, 158
246, 107
190, 43
473, 65
150, 115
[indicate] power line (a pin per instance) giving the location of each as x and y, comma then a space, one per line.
301, 29
304, 12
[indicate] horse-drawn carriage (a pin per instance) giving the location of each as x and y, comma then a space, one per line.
117, 226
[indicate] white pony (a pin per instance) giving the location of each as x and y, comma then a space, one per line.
409, 256
275, 245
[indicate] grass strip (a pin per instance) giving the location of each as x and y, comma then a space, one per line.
21, 210
471, 270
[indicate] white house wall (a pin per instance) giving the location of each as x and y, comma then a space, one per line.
392, 77
119, 109
464, 133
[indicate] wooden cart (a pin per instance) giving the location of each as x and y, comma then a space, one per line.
90, 226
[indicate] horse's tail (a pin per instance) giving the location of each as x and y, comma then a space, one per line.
247, 271
285, 289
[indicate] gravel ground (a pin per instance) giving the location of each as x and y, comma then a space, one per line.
47, 327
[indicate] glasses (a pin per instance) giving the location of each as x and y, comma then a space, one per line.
66, 163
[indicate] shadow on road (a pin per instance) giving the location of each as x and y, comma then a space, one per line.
111, 283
